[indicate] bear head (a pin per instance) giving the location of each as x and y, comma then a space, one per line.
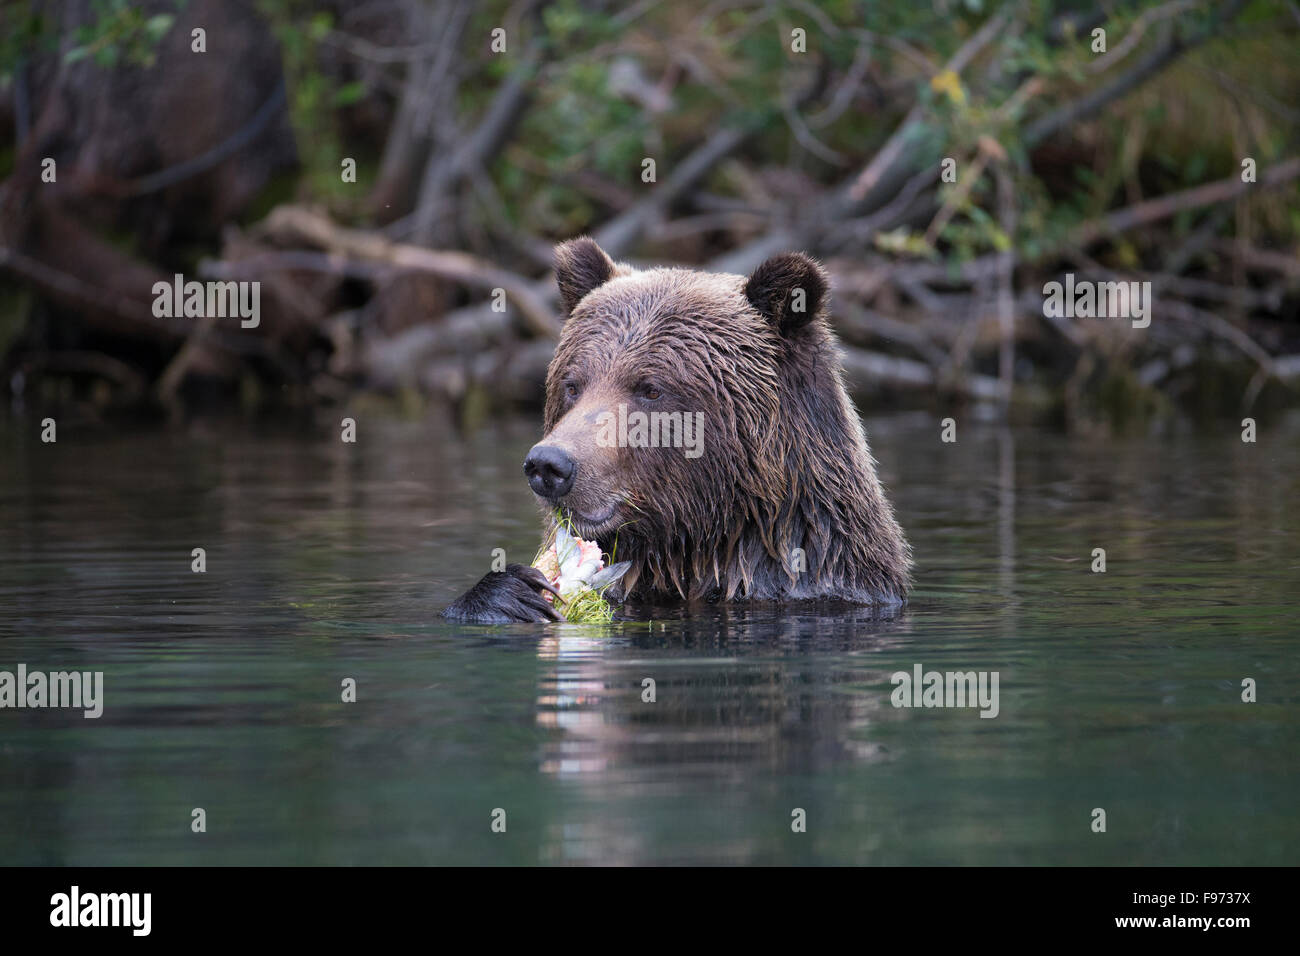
697, 425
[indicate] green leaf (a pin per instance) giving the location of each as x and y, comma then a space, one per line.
350, 93
158, 24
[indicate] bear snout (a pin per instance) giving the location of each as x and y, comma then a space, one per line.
550, 471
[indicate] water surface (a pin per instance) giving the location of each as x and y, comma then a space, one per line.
328, 561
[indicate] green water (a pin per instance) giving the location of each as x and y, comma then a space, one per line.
328, 561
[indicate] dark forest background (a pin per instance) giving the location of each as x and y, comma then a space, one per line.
471, 162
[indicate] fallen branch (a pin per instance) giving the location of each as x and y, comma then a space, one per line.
445, 170
1136, 32
865, 370
1155, 61
1261, 260
1153, 210
475, 326
889, 155
1109, 225
296, 223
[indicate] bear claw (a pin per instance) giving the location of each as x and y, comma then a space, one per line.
506, 597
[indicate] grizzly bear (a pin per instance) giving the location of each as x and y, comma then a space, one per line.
764, 489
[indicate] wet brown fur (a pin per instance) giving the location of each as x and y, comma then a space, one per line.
785, 461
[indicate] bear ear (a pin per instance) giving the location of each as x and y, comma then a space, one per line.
789, 290
580, 266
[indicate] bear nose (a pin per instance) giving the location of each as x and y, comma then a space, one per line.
550, 471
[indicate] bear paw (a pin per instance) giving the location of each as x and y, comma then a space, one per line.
506, 597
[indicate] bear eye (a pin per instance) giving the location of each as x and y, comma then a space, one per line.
650, 393
570, 390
